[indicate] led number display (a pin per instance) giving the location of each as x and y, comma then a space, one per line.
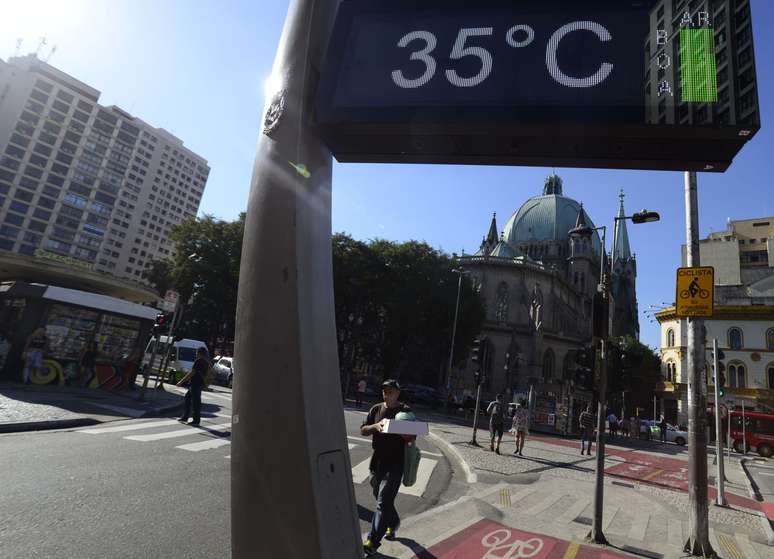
611, 83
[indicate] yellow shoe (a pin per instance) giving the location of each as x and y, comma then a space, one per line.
369, 548
390, 534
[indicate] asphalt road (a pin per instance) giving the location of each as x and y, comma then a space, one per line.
762, 472
151, 487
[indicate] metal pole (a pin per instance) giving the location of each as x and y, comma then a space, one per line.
475, 415
290, 460
720, 500
654, 409
148, 369
454, 333
176, 317
744, 432
596, 535
698, 544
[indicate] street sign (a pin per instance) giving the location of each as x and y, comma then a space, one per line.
695, 292
601, 83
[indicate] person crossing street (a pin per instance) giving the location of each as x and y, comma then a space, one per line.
193, 398
496, 411
586, 421
386, 465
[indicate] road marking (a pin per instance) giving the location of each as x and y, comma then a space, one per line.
505, 497
639, 525
572, 551
574, 511
727, 542
204, 445
652, 475
425, 470
131, 427
179, 433
359, 439
351, 446
747, 548
221, 396
543, 505
361, 472
766, 473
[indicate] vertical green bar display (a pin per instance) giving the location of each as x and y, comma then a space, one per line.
698, 69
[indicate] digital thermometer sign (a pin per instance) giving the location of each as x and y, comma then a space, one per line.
595, 84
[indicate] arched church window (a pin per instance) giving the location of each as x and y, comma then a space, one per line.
737, 375
501, 304
770, 339
670, 338
548, 366
735, 340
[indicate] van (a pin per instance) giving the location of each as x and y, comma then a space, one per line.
181, 356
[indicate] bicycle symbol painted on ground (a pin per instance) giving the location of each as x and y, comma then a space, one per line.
500, 547
694, 290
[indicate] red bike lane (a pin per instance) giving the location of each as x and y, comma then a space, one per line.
661, 471
487, 539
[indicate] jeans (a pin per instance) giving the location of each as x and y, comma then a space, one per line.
193, 398
587, 435
385, 483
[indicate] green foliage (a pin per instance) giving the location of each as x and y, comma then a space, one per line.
205, 273
395, 308
635, 376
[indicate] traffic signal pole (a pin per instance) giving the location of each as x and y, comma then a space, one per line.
698, 544
291, 481
720, 500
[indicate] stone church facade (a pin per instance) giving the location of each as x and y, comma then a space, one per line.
538, 284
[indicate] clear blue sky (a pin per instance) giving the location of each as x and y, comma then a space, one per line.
197, 68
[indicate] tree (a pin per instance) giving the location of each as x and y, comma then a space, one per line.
205, 273
395, 308
635, 375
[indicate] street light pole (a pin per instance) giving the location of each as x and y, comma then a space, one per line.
454, 329
698, 544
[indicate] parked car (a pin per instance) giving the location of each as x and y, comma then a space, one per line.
674, 434
223, 371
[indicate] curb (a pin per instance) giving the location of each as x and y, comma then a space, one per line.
47, 425
470, 475
752, 487
161, 410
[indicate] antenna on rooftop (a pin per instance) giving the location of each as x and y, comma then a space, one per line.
50, 54
19, 42
41, 44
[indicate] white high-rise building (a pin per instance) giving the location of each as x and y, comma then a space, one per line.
85, 183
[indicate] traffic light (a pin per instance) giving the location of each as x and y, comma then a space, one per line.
720, 374
475, 351
584, 367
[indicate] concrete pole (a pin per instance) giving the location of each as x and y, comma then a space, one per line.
291, 480
454, 335
698, 544
148, 369
720, 499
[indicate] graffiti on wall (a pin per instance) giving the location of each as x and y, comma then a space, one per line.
106, 376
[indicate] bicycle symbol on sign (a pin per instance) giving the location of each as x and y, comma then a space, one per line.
694, 290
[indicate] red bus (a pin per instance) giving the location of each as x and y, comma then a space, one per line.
758, 432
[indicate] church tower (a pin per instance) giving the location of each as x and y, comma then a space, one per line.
624, 280
581, 269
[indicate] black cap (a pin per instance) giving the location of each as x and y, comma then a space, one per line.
391, 383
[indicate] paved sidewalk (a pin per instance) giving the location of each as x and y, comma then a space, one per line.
548, 494
34, 407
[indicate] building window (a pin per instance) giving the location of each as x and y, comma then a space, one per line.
548, 366
670, 338
737, 375
735, 338
770, 339
671, 372
501, 305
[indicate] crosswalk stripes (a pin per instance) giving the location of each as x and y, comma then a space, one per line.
204, 445
216, 435
185, 431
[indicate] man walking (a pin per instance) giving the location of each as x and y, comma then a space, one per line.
193, 398
663, 426
386, 465
496, 411
586, 421
520, 426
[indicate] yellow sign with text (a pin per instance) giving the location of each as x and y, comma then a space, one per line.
695, 292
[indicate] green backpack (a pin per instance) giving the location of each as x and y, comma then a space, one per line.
411, 454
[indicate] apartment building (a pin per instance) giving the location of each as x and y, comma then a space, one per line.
86, 183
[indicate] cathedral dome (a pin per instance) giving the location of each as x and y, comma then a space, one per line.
548, 217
